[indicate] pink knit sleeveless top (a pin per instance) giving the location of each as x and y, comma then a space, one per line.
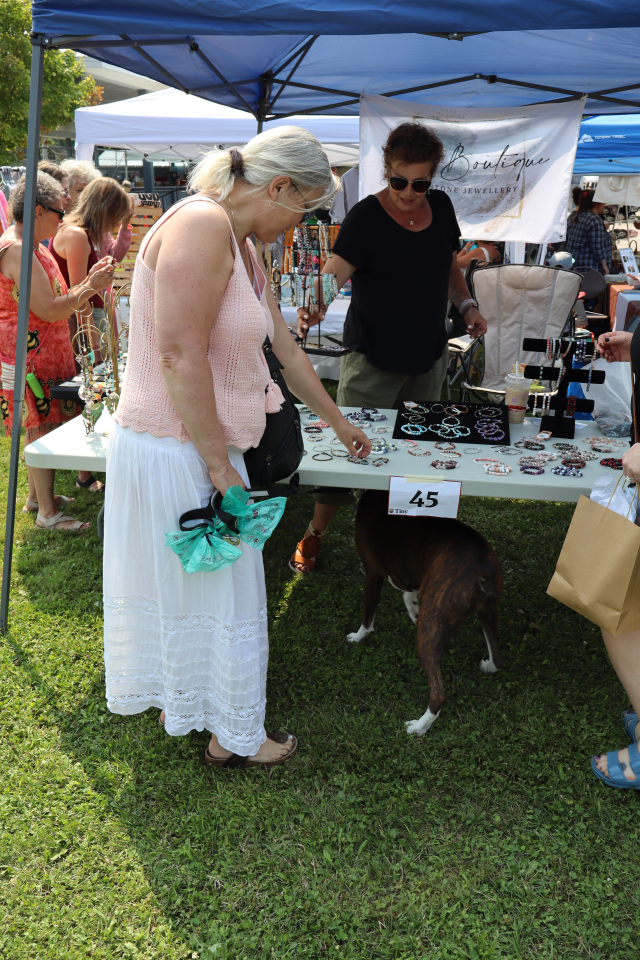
242, 385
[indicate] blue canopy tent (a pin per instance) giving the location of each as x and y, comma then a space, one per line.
609, 144
303, 56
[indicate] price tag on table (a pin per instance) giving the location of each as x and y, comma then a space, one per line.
424, 497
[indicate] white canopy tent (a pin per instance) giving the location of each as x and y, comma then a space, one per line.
169, 124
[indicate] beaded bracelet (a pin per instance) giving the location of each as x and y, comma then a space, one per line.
314, 429
340, 453
473, 450
358, 460
377, 417
505, 451
457, 410
532, 469
573, 462
379, 430
612, 462
419, 452
569, 447
498, 469
566, 472
485, 460
322, 456
445, 447
492, 412
366, 410
413, 429
380, 462
408, 443
444, 464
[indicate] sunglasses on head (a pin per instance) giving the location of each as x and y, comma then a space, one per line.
401, 183
53, 210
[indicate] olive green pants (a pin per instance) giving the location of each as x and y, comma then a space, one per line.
363, 385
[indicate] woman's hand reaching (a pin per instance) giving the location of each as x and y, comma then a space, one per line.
631, 463
615, 346
101, 274
309, 317
356, 442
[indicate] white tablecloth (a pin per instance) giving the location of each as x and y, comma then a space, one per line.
69, 448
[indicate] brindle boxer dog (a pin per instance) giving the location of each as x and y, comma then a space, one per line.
446, 572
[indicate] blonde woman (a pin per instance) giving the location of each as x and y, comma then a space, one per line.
193, 400
80, 174
77, 246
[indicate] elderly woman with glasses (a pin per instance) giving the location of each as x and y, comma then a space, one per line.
50, 356
399, 248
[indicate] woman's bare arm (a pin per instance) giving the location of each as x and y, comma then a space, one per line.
304, 383
193, 266
342, 270
43, 302
73, 244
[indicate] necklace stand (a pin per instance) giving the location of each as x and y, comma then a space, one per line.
559, 424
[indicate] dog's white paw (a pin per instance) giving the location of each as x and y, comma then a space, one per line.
360, 635
488, 666
418, 727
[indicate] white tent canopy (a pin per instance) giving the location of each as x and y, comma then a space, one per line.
171, 124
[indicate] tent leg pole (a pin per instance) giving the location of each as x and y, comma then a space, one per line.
260, 125
33, 140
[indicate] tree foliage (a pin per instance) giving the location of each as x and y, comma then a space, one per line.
65, 86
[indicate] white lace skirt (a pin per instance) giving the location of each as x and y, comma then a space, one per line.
195, 644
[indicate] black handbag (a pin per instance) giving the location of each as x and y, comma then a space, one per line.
281, 448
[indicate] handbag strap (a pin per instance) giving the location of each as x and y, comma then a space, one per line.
213, 509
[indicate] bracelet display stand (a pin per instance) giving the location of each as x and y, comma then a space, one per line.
559, 424
305, 259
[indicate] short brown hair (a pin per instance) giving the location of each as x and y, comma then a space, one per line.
53, 169
102, 204
413, 143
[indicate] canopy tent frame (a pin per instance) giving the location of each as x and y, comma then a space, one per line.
271, 77
45, 37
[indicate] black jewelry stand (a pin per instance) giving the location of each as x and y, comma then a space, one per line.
321, 351
559, 425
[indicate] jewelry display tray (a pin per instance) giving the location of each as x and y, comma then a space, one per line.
465, 419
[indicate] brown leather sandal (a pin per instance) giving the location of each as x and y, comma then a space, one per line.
235, 761
307, 551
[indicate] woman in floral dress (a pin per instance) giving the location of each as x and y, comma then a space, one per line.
49, 356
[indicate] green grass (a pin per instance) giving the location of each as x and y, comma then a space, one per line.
489, 837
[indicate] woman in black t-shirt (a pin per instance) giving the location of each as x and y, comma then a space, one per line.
399, 248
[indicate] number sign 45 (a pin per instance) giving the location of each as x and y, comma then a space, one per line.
428, 498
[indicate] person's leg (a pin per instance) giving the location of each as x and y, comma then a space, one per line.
47, 507
83, 476
624, 653
361, 384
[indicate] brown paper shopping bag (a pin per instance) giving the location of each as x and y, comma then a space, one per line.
598, 570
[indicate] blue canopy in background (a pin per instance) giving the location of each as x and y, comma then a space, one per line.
609, 145
296, 56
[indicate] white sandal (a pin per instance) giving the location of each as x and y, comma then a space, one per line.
51, 523
33, 505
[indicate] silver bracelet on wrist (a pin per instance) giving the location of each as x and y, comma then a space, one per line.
466, 304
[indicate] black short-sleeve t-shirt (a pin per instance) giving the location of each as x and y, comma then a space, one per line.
400, 284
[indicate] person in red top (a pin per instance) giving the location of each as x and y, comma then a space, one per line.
50, 355
78, 245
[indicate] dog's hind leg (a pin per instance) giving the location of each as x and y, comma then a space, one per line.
437, 622
488, 617
372, 590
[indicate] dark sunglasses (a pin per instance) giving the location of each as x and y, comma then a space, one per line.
401, 183
53, 210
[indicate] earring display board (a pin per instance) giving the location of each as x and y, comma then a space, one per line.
468, 423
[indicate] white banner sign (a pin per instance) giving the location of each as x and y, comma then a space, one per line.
507, 171
424, 497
